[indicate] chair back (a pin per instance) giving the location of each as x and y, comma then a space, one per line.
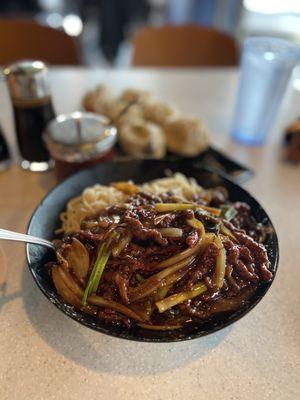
183, 45
27, 39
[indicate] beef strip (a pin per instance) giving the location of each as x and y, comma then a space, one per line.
140, 232
259, 254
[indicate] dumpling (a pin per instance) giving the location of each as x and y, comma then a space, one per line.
186, 136
114, 108
134, 114
135, 95
159, 112
98, 100
141, 139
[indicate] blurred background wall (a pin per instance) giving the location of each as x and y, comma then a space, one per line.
104, 28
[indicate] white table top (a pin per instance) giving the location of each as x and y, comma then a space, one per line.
45, 355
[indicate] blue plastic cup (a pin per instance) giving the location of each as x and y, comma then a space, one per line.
266, 68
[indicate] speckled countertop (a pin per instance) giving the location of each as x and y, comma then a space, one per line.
45, 355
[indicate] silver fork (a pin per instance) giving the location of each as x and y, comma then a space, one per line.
21, 237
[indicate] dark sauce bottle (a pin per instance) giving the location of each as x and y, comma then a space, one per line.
31, 118
5, 158
29, 87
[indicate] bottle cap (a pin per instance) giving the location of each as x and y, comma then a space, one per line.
28, 80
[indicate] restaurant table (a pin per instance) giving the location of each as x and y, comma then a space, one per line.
46, 355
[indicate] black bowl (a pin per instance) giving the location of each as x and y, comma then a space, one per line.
46, 219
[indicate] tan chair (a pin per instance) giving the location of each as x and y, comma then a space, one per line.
183, 46
21, 38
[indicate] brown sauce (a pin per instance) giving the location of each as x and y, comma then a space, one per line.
31, 117
64, 168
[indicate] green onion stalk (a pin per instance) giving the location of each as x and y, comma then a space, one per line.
97, 271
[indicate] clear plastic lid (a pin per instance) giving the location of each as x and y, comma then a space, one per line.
79, 136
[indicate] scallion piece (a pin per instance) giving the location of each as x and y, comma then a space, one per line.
168, 207
157, 280
228, 212
99, 270
96, 273
178, 298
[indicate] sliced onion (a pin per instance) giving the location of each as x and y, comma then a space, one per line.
160, 218
176, 276
78, 259
180, 256
70, 282
144, 309
167, 207
196, 224
218, 279
229, 304
121, 244
61, 260
211, 210
63, 289
157, 280
227, 233
178, 298
191, 252
162, 292
90, 224
160, 327
171, 232
102, 302
186, 253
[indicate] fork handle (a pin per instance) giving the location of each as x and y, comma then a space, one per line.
21, 237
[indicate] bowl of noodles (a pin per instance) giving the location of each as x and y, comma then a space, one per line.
153, 250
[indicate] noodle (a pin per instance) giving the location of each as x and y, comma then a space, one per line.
179, 184
95, 198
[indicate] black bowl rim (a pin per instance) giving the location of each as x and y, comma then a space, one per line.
127, 335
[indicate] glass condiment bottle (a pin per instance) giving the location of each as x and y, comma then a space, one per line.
29, 87
5, 158
79, 140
